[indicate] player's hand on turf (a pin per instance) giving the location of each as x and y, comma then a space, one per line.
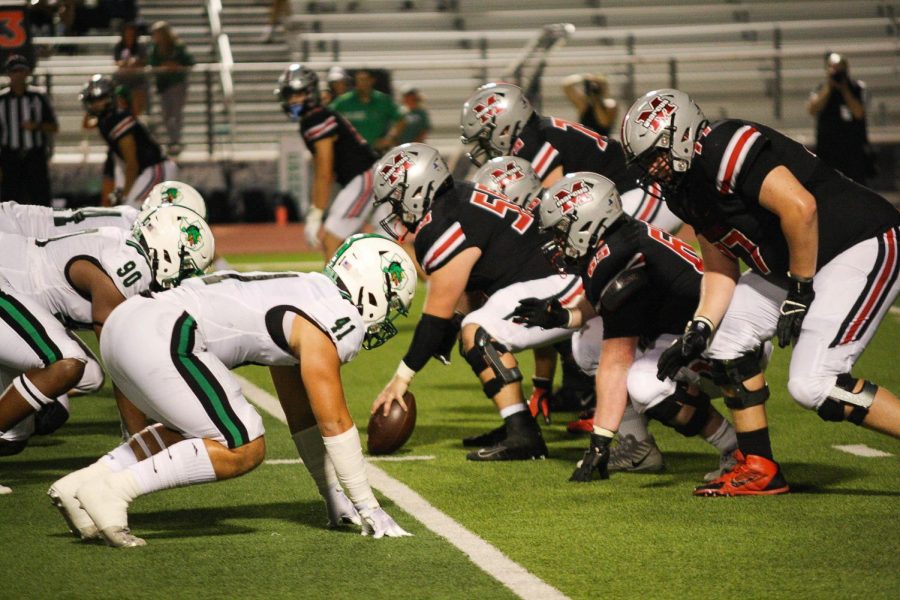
685, 349
312, 226
379, 524
394, 390
340, 510
539, 403
546, 313
596, 460
793, 310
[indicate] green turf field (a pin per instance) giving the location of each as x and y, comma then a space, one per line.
634, 536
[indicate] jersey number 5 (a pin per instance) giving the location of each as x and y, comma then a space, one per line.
499, 207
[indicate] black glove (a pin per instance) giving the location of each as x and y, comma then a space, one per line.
685, 349
596, 458
793, 310
546, 313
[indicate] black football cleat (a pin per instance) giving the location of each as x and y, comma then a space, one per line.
494, 436
514, 448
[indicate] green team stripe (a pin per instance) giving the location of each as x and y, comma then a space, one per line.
46, 347
203, 382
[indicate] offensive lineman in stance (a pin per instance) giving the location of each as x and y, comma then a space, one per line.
304, 326
823, 258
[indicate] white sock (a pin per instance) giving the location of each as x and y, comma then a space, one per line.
345, 451
119, 458
725, 438
184, 463
633, 424
511, 410
312, 451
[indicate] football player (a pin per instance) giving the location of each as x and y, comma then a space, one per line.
304, 326
131, 147
644, 283
471, 240
43, 221
339, 154
823, 258
74, 281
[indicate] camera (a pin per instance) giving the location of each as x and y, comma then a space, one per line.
839, 77
592, 88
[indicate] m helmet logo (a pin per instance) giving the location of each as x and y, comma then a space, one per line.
400, 164
569, 199
658, 115
488, 109
192, 236
507, 174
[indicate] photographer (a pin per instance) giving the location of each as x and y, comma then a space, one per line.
588, 92
839, 107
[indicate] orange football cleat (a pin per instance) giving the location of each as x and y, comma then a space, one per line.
583, 424
752, 476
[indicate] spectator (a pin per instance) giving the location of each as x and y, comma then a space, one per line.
173, 61
338, 83
839, 107
278, 10
27, 122
131, 57
416, 123
373, 114
589, 93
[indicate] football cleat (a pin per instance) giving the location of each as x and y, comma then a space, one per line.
539, 403
752, 476
514, 448
107, 505
727, 461
62, 494
494, 436
5, 490
632, 455
583, 424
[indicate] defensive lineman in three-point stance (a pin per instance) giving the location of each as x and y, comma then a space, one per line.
303, 326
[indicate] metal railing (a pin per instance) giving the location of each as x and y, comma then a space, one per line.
222, 47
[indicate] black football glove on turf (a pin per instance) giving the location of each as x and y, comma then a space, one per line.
685, 349
596, 458
793, 310
546, 313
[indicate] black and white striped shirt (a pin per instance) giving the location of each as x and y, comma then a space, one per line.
33, 106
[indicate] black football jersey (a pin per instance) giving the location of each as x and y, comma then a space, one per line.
673, 269
118, 123
720, 197
549, 142
352, 155
471, 216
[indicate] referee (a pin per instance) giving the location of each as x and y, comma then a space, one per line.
27, 121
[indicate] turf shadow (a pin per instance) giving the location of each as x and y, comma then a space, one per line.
93, 428
23, 471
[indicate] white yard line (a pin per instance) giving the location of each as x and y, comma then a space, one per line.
297, 461
862, 450
485, 556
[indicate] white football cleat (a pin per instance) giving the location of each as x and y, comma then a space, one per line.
340, 510
378, 524
62, 494
106, 502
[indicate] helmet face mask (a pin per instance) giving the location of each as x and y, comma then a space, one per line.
297, 90
408, 176
374, 274
178, 244
513, 177
491, 118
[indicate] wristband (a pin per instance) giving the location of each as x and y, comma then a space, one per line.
604, 432
799, 279
704, 320
314, 214
571, 320
404, 372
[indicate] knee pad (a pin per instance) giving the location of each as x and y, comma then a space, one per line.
832, 409
486, 354
667, 410
731, 374
50, 418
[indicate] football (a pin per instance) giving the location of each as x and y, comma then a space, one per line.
387, 434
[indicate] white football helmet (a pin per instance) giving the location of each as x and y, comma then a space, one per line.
662, 122
377, 276
178, 243
513, 177
174, 192
491, 118
580, 207
408, 176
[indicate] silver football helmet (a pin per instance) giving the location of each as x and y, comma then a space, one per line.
579, 208
377, 276
513, 177
297, 79
98, 88
408, 176
491, 118
663, 123
178, 244
174, 192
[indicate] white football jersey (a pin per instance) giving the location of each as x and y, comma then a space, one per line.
46, 222
247, 317
37, 267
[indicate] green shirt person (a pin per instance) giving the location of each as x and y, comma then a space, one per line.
417, 124
374, 114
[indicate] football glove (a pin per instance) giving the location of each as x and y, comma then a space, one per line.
378, 524
685, 349
340, 510
539, 403
546, 313
793, 310
312, 225
596, 458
